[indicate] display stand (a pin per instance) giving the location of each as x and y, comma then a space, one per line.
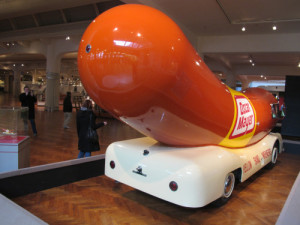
290, 212
14, 152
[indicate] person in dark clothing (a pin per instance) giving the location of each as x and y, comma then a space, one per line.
67, 108
85, 117
27, 99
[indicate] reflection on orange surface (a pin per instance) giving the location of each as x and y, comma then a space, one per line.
137, 64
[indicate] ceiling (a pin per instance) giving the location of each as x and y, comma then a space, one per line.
20, 15
200, 17
226, 17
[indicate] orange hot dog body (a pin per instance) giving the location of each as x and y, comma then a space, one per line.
137, 64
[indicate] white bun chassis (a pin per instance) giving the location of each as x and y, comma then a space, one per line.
189, 177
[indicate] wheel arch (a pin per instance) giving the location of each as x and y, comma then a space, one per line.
278, 142
238, 174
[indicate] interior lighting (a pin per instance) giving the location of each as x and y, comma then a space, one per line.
243, 28
253, 64
261, 76
67, 38
22, 64
299, 64
274, 27
250, 60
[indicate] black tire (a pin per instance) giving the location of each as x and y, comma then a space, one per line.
274, 155
228, 189
275, 152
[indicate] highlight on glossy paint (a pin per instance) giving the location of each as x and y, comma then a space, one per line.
137, 64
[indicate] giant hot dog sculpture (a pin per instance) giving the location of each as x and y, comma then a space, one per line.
137, 64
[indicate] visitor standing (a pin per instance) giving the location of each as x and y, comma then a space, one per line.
28, 99
67, 108
86, 124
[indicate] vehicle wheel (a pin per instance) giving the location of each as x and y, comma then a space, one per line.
228, 185
228, 189
274, 157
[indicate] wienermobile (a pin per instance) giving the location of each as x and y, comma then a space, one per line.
201, 135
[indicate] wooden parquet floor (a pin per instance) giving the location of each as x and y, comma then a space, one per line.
54, 143
100, 200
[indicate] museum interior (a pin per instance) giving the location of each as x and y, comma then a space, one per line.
236, 45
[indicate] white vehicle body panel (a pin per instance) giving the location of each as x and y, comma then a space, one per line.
199, 171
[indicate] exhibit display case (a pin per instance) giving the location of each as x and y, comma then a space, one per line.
14, 139
13, 121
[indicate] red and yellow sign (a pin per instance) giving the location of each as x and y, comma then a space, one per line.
244, 122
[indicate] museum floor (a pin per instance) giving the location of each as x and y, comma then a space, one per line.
100, 200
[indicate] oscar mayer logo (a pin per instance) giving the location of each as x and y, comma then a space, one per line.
245, 119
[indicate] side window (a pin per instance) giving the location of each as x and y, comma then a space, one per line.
275, 111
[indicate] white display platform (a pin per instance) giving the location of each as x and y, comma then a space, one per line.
12, 214
14, 152
290, 212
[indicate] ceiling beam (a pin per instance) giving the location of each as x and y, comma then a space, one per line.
18, 8
266, 70
52, 31
249, 43
35, 20
63, 16
12, 24
96, 9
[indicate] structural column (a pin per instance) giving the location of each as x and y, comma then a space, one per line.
230, 79
52, 92
245, 84
6, 83
17, 81
52, 79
